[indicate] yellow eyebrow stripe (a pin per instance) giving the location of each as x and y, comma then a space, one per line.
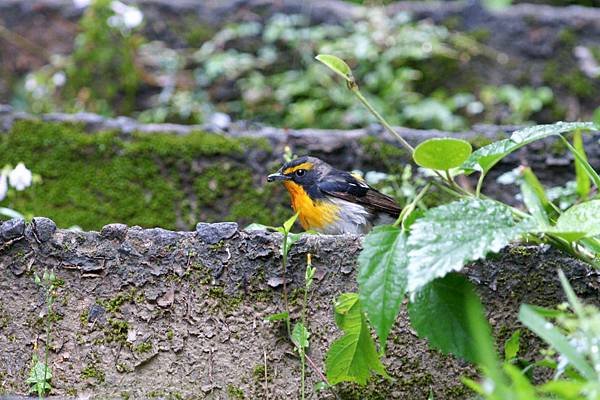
305, 165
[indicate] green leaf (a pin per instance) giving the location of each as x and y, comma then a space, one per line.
570, 293
287, 225
533, 133
337, 65
584, 163
258, 227
581, 176
496, 5
282, 316
596, 117
581, 220
557, 340
449, 236
353, 357
438, 312
382, 277
511, 346
534, 197
442, 153
486, 157
564, 389
38, 372
522, 388
10, 213
300, 336
485, 348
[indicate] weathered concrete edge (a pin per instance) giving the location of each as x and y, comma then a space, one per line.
248, 261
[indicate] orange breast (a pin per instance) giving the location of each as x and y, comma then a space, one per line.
312, 214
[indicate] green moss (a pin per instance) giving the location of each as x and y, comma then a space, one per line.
114, 305
258, 372
170, 334
71, 391
91, 180
229, 191
143, 347
116, 331
235, 392
567, 37
572, 80
92, 371
226, 303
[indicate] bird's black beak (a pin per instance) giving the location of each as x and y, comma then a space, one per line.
277, 176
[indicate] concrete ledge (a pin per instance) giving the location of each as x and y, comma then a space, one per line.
150, 312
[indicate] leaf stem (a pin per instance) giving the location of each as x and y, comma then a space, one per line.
354, 88
479, 184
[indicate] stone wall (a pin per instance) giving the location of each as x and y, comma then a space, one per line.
150, 313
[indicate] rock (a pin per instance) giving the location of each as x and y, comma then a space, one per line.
114, 231
95, 313
214, 233
44, 228
12, 229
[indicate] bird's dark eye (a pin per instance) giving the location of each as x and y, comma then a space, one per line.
300, 172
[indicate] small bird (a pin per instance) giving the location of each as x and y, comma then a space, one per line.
331, 201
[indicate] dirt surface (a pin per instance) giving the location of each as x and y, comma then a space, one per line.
154, 313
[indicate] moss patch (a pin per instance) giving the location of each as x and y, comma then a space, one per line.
149, 180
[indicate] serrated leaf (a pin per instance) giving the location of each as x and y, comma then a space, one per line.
300, 336
337, 65
353, 357
438, 312
442, 153
382, 277
449, 236
556, 339
486, 157
581, 220
39, 372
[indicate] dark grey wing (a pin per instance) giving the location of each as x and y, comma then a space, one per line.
346, 187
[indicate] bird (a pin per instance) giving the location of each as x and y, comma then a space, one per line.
331, 201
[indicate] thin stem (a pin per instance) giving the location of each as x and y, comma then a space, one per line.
479, 184
284, 267
412, 205
323, 378
354, 87
48, 338
303, 373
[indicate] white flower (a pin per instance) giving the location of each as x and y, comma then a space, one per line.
20, 177
30, 83
59, 78
3, 186
126, 15
81, 3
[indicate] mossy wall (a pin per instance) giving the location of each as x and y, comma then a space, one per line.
158, 179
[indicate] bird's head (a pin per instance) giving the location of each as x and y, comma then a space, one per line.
303, 171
